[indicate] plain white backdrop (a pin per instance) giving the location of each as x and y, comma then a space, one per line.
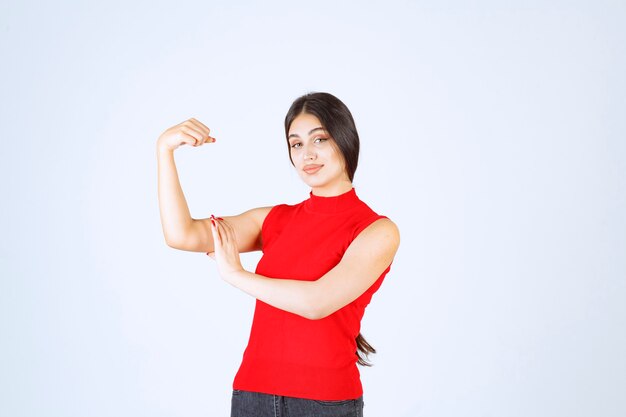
493, 134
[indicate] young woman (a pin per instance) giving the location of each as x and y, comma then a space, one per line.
323, 259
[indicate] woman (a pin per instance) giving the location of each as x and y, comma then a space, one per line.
323, 259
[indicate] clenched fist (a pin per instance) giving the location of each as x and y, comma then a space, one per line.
190, 132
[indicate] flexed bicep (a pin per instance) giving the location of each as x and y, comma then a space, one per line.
246, 228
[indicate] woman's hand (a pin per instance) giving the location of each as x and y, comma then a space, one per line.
226, 253
190, 132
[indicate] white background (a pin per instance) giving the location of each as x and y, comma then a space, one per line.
493, 134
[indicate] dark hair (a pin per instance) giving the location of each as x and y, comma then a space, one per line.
336, 119
363, 349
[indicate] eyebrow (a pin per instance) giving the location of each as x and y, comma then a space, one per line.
294, 135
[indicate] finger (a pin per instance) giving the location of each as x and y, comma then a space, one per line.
187, 139
217, 239
204, 129
226, 230
230, 230
192, 126
224, 238
206, 132
208, 139
193, 133
224, 235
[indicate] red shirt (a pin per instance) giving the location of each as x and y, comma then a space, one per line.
288, 354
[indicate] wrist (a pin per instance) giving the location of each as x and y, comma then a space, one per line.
234, 276
162, 149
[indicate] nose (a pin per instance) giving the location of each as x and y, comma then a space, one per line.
309, 155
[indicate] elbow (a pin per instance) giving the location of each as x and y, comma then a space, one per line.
316, 312
312, 315
170, 242
173, 242
316, 304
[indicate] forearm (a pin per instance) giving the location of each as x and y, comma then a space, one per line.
175, 217
294, 296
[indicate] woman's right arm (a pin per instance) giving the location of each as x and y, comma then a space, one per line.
180, 230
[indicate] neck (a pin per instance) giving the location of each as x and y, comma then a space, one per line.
332, 190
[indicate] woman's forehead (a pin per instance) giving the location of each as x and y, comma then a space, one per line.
304, 123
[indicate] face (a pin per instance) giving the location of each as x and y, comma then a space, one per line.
316, 157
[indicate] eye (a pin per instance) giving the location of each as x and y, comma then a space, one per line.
296, 145
320, 140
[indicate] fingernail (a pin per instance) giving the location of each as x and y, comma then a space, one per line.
212, 222
219, 218
212, 216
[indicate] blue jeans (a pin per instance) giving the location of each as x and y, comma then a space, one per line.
254, 404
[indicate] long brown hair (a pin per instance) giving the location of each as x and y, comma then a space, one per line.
363, 350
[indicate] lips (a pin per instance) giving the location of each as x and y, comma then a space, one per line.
312, 168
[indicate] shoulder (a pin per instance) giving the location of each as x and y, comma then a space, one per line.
381, 235
376, 245
382, 228
369, 221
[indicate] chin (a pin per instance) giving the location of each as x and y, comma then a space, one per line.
314, 182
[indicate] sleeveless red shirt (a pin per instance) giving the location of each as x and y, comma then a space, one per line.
288, 354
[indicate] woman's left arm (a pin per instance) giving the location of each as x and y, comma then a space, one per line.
363, 262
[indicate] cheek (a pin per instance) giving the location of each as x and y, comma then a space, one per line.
338, 159
292, 158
